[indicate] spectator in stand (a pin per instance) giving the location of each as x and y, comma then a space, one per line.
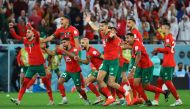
64, 4
78, 23
180, 72
35, 19
184, 27
57, 21
146, 29
19, 5
3, 25
174, 27
23, 16
43, 29
31, 4
121, 26
21, 26
88, 31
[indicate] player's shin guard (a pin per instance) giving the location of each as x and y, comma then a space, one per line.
31, 82
93, 88
23, 88
160, 82
141, 91
62, 89
172, 89
47, 83
152, 88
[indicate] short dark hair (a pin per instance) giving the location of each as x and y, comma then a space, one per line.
180, 63
132, 19
166, 24
130, 34
66, 16
66, 38
104, 22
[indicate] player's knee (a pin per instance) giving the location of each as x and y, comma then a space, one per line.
60, 81
111, 83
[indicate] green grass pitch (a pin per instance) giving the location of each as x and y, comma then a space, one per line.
40, 100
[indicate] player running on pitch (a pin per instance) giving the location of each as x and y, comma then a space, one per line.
168, 65
36, 61
73, 69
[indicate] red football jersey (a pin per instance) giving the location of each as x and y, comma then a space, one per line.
168, 51
111, 46
138, 35
145, 61
32, 47
72, 66
94, 56
70, 32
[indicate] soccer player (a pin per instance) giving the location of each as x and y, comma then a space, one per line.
121, 76
54, 61
168, 65
36, 61
131, 24
94, 57
73, 69
110, 63
142, 69
67, 30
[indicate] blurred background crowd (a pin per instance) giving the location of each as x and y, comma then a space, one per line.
44, 16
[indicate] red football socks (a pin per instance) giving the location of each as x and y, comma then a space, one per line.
62, 89
82, 81
23, 88
93, 88
160, 82
106, 91
153, 89
113, 92
47, 83
141, 91
172, 89
131, 81
83, 94
119, 94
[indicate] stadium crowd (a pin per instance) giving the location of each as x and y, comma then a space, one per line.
44, 16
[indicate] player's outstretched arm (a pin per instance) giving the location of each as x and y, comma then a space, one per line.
87, 19
47, 39
49, 52
162, 50
13, 33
